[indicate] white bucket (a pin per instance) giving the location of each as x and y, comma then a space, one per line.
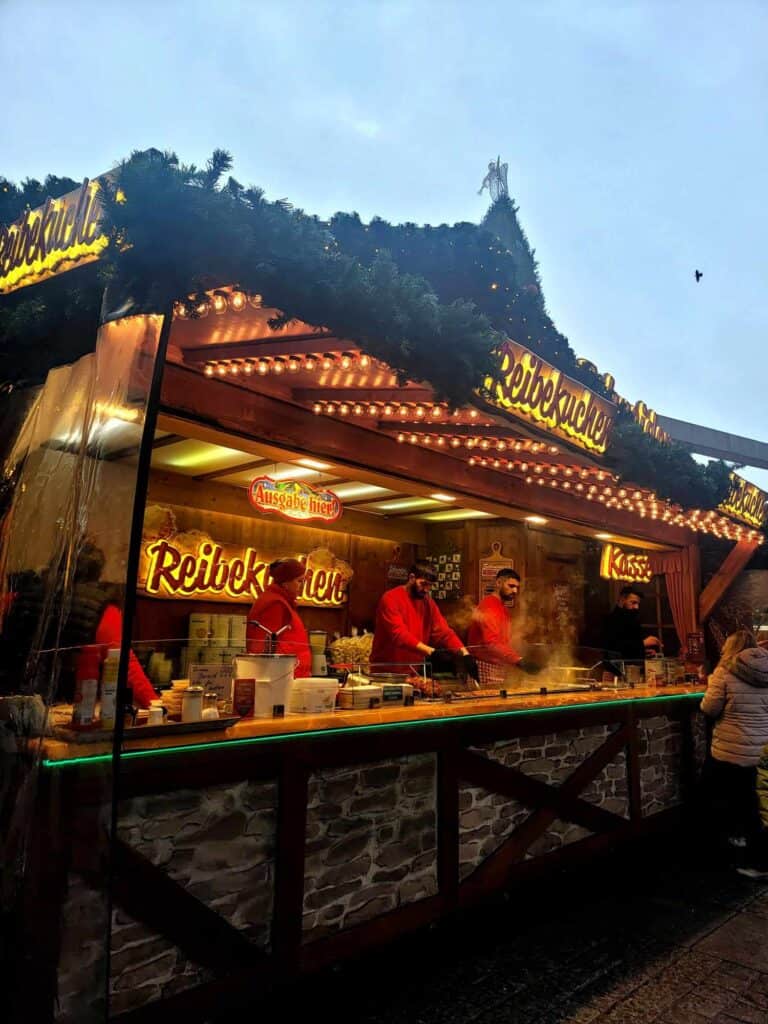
273, 674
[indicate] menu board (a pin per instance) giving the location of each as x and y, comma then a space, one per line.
490, 566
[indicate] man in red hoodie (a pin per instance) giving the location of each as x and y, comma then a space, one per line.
490, 632
276, 611
410, 627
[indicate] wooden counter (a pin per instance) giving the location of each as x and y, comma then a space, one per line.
95, 745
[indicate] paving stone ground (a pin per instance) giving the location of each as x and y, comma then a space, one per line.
664, 935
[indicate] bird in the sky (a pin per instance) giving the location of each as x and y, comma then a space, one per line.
698, 275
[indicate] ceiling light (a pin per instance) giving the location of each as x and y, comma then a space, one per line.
456, 514
538, 520
443, 497
604, 536
313, 464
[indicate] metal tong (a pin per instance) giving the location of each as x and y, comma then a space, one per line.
271, 642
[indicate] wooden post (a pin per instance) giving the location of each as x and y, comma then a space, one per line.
736, 560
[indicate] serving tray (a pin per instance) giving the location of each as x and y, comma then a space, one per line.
170, 729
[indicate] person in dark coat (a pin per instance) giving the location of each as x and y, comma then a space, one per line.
622, 633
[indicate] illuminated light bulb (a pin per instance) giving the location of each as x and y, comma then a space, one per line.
541, 482
553, 470
420, 412
202, 309
518, 446
262, 366
181, 310
472, 460
566, 485
535, 446
537, 469
358, 409
317, 408
403, 411
529, 479
496, 464
327, 361
637, 495
238, 300
607, 491
568, 471
293, 364
524, 467
601, 475
473, 414
346, 360
388, 410
436, 412
278, 365
234, 369
426, 439
364, 361
588, 497
579, 487
501, 446
413, 439
622, 493
401, 438
455, 442
248, 368
552, 450
553, 483
584, 473
373, 409
344, 409
330, 408
221, 369
456, 413
219, 303
208, 371
440, 442
470, 442
483, 462
256, 301
485, 444
309, 362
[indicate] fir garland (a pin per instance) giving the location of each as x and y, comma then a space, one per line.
431, 302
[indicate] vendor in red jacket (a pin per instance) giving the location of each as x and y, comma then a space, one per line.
490, 632
275, 609
410, 627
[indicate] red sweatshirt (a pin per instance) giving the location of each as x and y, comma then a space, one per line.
274, 609
489, 633
402, 622
109, 632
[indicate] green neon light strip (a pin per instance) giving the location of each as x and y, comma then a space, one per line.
346, 730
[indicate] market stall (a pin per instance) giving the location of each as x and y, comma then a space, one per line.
220, 838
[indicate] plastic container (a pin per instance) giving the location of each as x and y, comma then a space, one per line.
359, 697
314, 695
273, 678
109, 688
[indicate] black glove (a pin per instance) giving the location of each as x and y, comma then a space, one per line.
469, 666
529, 667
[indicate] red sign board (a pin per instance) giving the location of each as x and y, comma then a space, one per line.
294, 499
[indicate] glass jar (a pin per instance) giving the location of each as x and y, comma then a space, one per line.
192, 704
210, 707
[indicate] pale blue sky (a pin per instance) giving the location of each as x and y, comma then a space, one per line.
635, 133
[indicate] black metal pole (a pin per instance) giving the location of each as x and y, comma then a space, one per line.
129, 606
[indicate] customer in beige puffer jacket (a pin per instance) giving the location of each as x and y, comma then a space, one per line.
737, 697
